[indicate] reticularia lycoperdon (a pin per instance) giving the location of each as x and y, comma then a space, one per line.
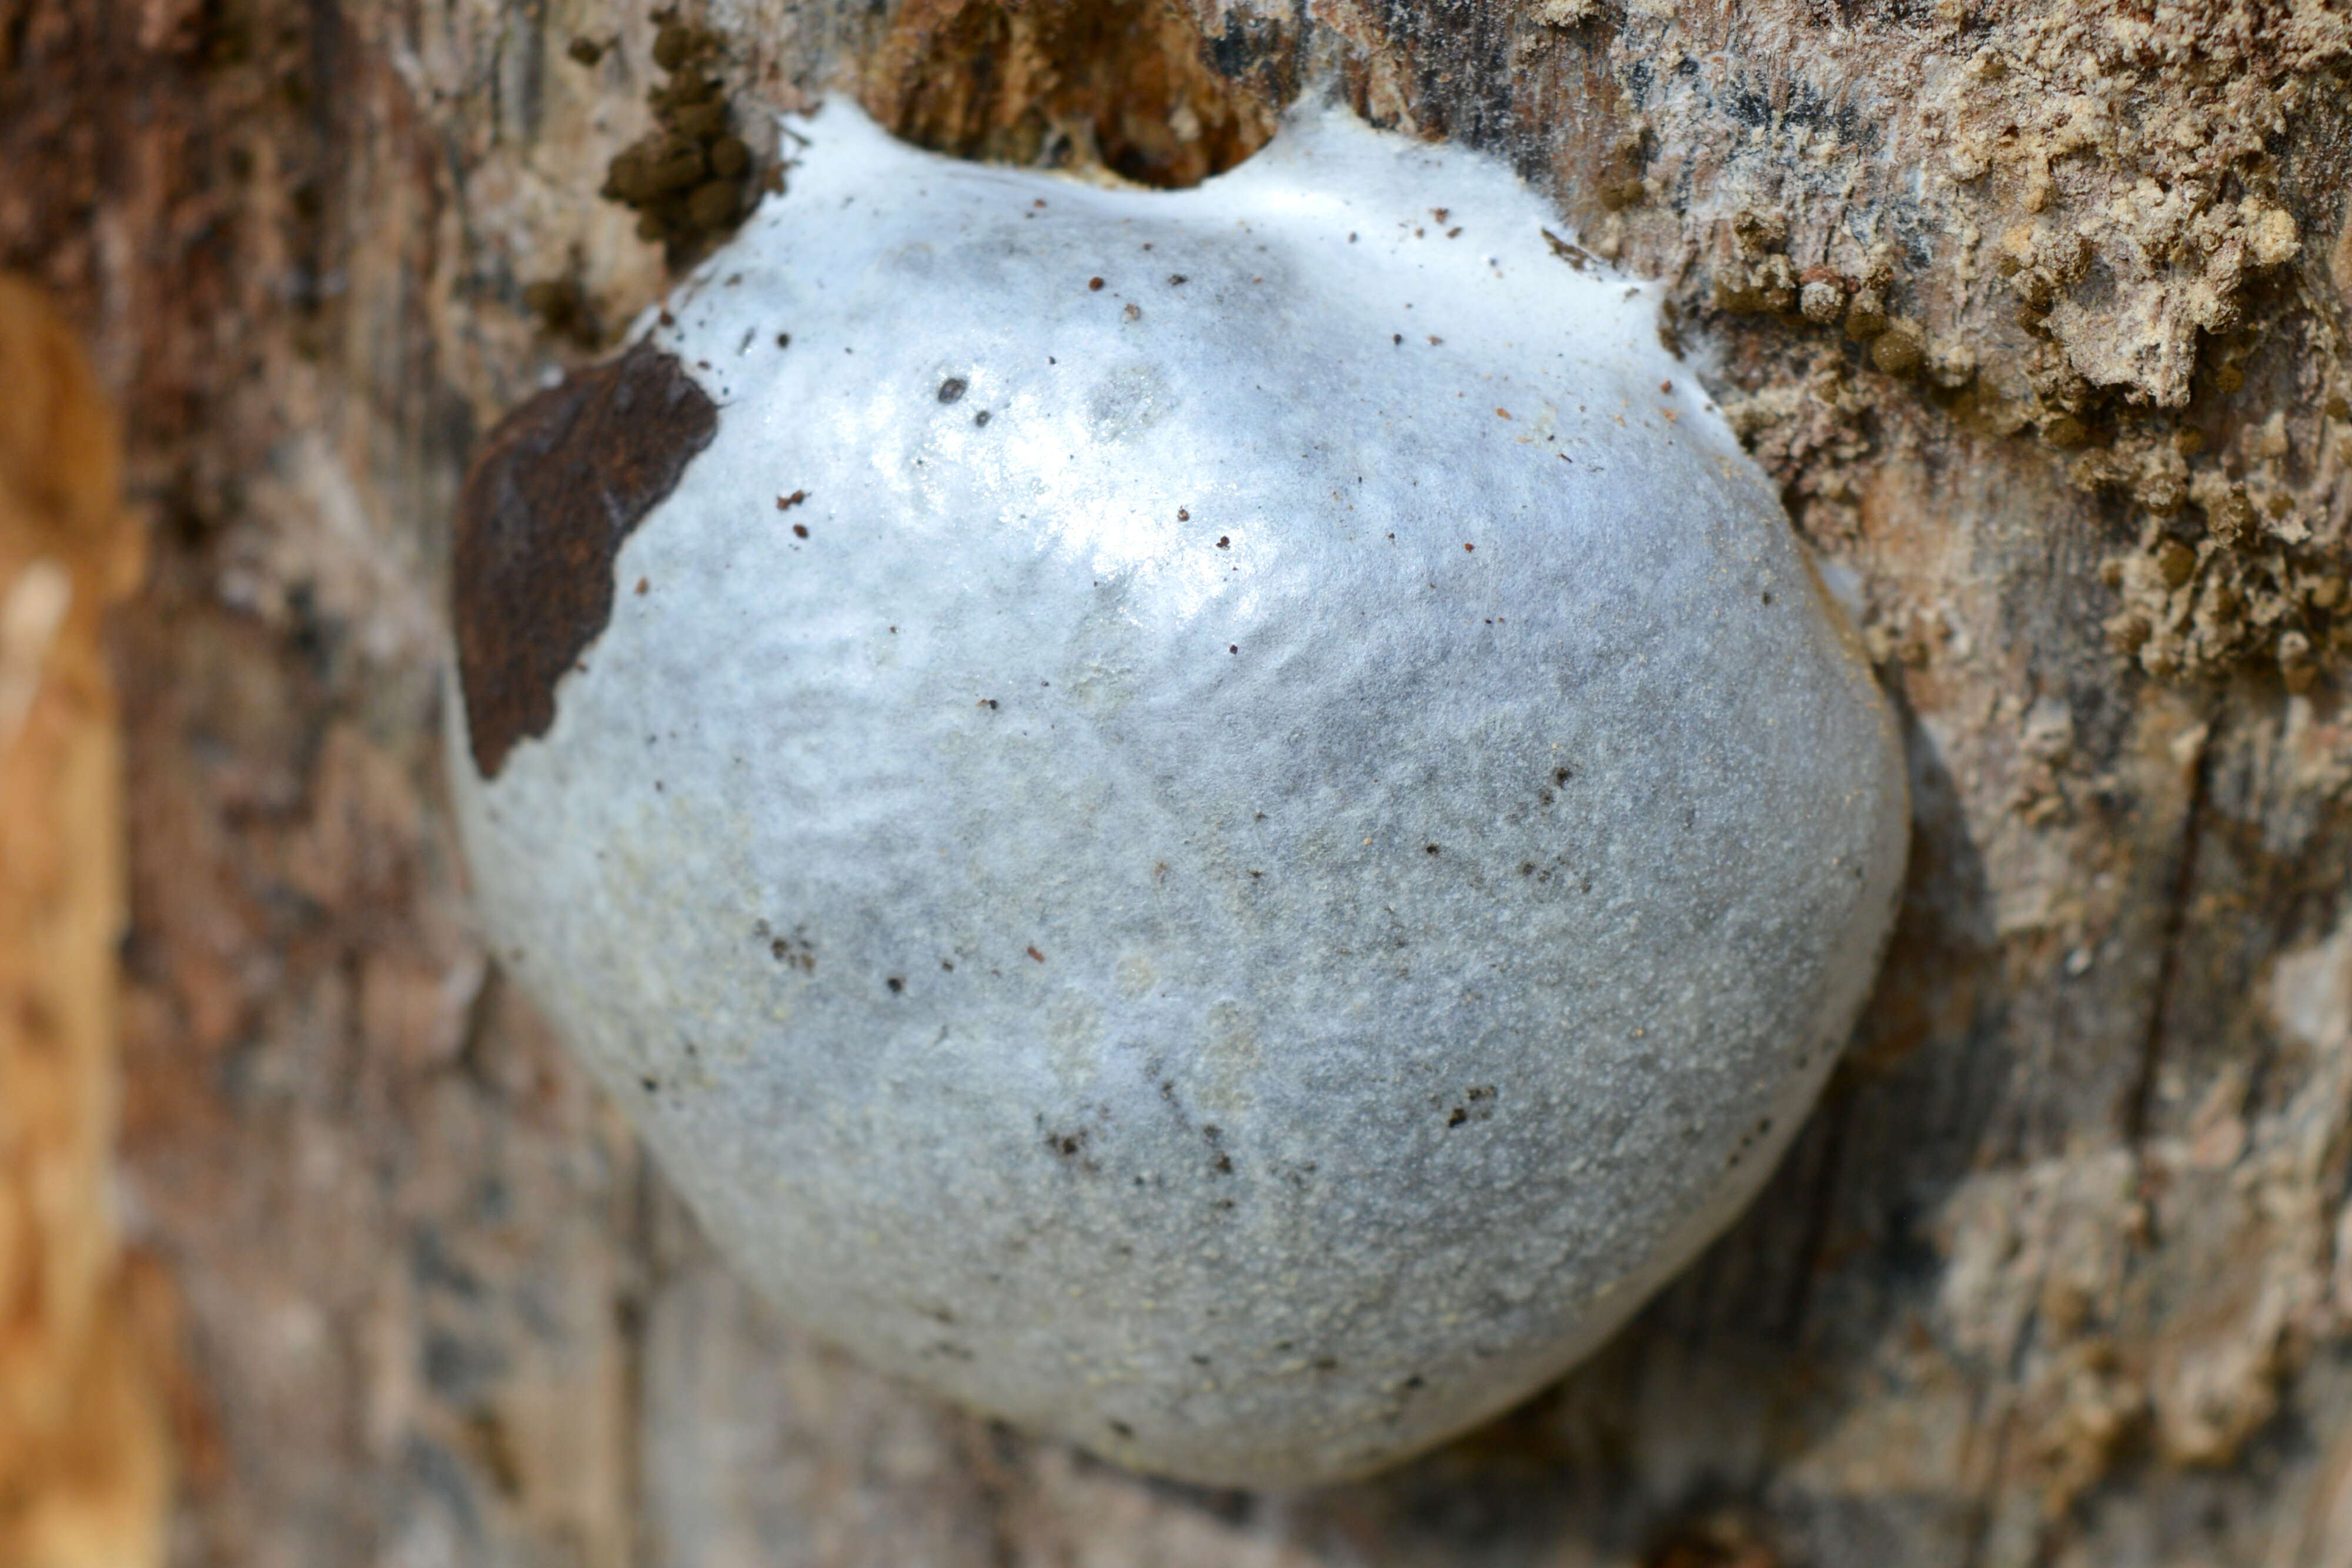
1225, 822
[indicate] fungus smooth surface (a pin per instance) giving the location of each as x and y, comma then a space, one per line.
1224, 822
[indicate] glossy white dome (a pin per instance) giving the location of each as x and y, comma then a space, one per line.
1296, 835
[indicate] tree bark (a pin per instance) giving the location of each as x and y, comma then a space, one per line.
2037, 310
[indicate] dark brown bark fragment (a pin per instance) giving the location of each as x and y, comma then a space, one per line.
561, 483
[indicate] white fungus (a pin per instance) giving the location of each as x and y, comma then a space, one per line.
1225, 822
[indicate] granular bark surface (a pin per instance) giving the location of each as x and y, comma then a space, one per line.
559, 483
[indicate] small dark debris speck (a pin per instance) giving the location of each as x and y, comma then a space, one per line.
1183, 516
1429, 848
1032, 953
1468, 547
643, 585
897, 983
951, 388
1178, 277
1225, 541
1094, 284
783, 339
800, 530
650, 1085
982, 417
786, 503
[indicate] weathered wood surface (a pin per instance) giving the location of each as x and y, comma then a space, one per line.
2061, 1273
84, 1342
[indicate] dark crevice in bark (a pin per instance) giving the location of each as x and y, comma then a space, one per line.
2168, 954
1820, 1204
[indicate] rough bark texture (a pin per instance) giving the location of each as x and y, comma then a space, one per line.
2037, 308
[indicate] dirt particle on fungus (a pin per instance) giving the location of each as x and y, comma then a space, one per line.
951, 388
1121, 1429
1232, 647
1178, 279
1033, 953
800, 530
1502, 414
1182, 515
1477, 1104
1429, 848
988, 703
1468, 547
650, 1085
897, 984
783, 339
1225, 541
982, 417
786, 503
1094, 284
643, 584
1133, 312
794, 952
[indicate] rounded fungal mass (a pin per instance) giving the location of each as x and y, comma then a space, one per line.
1241, 887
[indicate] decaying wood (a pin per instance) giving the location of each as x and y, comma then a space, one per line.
84, 1477
2036, 308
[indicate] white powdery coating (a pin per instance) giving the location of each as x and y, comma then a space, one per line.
1133, 923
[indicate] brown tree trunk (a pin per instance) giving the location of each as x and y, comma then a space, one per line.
2037, 310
